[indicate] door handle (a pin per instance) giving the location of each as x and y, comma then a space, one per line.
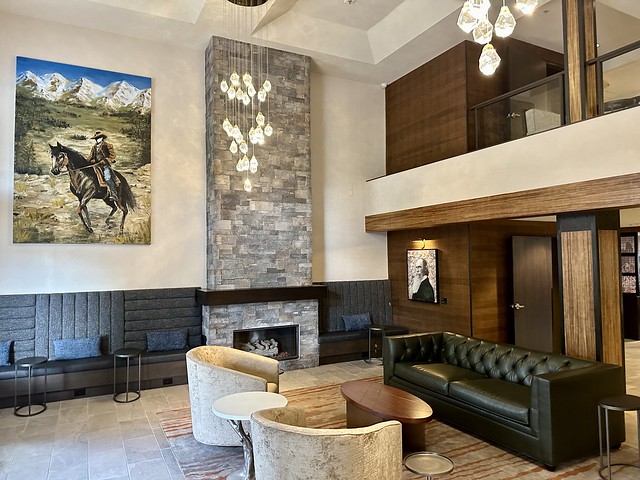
517, 306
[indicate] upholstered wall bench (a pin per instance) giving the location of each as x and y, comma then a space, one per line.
343, 333
121, 319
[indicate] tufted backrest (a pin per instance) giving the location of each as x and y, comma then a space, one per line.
501, 361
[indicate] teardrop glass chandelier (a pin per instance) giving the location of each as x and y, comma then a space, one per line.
247, 90
474, 19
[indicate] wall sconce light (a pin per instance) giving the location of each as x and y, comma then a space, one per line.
420, 243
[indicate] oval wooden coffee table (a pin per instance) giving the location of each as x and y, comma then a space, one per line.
372, 402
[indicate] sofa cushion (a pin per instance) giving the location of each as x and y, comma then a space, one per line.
163, 341
434, 376
506, 399
73, 348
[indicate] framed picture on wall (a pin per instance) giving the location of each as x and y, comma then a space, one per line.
82, 165
422, 275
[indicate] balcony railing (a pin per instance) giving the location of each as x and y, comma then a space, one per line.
618, 78
533, 108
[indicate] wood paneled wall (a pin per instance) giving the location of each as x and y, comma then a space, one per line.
452, 243
492, 275
475, 276
426, 113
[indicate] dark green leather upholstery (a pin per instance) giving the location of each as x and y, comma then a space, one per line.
539, 404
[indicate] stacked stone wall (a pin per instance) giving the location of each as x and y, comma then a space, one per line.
262, 238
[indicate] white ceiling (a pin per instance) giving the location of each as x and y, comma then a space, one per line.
373, 41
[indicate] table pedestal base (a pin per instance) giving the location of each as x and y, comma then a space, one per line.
248, 471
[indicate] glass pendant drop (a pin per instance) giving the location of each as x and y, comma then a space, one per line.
224, 86
251, 90
466, 21
235, 79
267, 86
233, 148
247, 185
246, 79
244, 148
268, 130
262, 94
239, 165
252, 136
489, 60
479, 8
526, 6
245, 163
253, 164
260, 119
483, 32
505, 23
231, 93
226, 125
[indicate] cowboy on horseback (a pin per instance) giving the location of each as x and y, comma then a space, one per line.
103, 154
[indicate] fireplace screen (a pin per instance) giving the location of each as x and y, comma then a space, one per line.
280, 342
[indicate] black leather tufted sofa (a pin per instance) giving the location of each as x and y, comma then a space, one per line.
539, 404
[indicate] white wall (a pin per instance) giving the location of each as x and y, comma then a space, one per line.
601, 147
176, 256
347, 148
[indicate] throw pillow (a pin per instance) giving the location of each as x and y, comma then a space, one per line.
359, 321
5, 348
72, 348
168, 340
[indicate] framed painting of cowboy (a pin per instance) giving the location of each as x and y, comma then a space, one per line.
82, 163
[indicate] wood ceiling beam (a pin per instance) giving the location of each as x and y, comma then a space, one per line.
601, 194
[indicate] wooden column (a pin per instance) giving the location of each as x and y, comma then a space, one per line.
580, 45
589, 256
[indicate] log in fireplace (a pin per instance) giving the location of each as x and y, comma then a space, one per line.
279, 342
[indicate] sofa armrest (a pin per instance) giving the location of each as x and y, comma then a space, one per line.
413, 347
564, 407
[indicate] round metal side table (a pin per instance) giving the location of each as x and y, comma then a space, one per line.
128, 354
430, 464
29, 363
618, 403
370, 359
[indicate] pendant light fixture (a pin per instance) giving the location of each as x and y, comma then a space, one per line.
474, 19
246, 87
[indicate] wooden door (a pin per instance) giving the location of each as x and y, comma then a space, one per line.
533, 292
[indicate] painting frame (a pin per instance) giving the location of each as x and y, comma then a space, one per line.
423, 287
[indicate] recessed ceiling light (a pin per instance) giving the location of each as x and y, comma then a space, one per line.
349, 2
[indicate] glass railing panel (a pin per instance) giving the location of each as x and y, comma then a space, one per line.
621, 82
521, 113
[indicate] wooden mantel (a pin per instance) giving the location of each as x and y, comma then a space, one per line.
259, 295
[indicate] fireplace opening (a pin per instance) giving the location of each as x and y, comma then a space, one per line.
281, 343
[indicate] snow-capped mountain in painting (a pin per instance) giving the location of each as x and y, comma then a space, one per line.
82, 91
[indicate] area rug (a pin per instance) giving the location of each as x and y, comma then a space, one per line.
474, 459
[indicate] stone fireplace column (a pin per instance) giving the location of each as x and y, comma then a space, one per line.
261, 239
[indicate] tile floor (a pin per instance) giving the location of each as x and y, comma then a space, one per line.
98, 439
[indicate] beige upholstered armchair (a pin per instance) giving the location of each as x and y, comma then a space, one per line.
214, 372
284, 448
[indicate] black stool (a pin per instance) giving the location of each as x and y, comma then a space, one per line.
128, 354
29, 363
618, 403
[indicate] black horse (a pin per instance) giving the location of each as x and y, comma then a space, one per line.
84, 184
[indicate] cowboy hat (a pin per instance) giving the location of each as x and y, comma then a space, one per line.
98, 135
